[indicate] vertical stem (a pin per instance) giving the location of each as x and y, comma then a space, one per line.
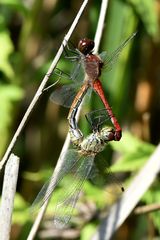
100, 25
8, 193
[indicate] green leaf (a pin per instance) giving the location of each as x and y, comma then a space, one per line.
16, 4
42, 175
88, 231
21, 213
147, 11
8, 94
95, 194
6, 48
134, 153
129, 143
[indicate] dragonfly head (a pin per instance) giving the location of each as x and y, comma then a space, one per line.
85, 46
107, 134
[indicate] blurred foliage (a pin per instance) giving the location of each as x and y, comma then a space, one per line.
30, 34
150, 197
146, 12
134, 153
20, 206
88, 231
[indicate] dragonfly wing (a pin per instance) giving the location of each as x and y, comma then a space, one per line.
65, 206
110, 59
97, 118
70, 159
77, 73
64, 95
103, 176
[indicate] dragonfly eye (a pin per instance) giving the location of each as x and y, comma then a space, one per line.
107, 134
85, 46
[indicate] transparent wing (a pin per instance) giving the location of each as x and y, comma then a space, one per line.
103, 176
70, 160
64, 95
77, 73
65, 206
110, 59
97, 118
61, 74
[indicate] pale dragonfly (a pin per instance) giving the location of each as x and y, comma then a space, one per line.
78, 162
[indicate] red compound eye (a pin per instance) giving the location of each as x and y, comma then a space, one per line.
85, 45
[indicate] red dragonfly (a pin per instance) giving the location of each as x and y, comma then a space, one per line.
92, 65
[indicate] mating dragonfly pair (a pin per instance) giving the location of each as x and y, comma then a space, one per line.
80, 160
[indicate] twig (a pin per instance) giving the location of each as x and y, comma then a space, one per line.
65, 146
100, 25
147, 209
52, 233
42, 85
120, 211
8, 193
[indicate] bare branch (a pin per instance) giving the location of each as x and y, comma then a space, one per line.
100, 25
121, 210
8, 193
147, 208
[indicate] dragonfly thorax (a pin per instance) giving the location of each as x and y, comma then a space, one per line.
96, 141
91, 144
93, 66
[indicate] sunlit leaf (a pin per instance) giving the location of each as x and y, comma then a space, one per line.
6, 48
15, 4
21, 213
88, 231
41, 175
8, 95
146, 9
134, 153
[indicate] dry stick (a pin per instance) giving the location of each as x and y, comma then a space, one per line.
100, 25
147, 208
120, 211
65, 146
8, 193
42, 85
52, 233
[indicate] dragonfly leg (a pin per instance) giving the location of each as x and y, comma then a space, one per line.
60, 74
67, 49
97, 118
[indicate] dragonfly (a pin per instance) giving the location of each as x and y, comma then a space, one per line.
92, 66
78, 162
